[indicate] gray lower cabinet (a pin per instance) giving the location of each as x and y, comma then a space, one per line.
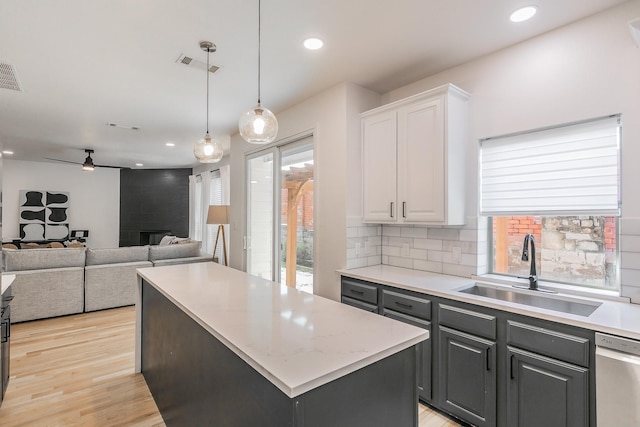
467, 376
490, 367
548, 380
545, 392
423, 358
358, 294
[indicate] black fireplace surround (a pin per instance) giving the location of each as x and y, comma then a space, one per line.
153, 203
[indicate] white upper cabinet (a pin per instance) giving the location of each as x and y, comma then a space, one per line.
413, 159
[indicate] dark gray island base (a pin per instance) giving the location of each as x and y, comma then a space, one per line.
196, 380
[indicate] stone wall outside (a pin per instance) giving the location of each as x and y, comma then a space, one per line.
573, 249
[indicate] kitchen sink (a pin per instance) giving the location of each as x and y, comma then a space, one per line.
533, 298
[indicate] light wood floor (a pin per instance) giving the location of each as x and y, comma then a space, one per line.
79, 371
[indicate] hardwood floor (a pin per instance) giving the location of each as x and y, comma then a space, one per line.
79, 371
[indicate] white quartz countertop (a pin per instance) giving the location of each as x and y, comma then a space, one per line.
7, 280
618, 318
296, 340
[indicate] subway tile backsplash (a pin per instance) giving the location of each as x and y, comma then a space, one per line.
630, 258
459, 251
462, 251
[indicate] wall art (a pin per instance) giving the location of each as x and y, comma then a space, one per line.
44, 215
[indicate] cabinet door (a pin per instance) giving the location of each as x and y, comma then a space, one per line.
423, 359
379, 167
545, 392
467, 377
421, 162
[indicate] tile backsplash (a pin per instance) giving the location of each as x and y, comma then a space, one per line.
459, 251
630, 258
462, 251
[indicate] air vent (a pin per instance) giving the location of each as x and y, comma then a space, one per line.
9, 77
194, 63
115, 125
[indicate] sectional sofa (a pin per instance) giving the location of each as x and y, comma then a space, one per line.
56, 282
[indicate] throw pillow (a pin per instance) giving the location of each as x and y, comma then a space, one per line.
166, 240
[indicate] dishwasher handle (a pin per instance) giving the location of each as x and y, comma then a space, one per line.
616, 343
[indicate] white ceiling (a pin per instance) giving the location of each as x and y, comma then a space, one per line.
85, 63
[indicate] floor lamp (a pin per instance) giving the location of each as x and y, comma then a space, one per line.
219, 214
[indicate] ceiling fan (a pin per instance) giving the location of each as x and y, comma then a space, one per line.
88, 164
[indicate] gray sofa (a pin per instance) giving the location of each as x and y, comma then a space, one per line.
49, 282
110, 276
56, 282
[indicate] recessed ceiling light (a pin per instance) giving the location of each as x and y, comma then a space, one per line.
523, 14
139, 164
170, 144
8, 152
313, 43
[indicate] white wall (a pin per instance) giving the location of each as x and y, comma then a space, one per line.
94, 197
327, 115
588, 69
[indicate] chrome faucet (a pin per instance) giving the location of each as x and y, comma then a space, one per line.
533, 277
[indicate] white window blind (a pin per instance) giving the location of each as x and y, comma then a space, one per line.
571, 169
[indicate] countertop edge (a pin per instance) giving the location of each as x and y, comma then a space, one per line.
7, 280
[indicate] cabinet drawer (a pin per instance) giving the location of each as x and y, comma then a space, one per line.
355, 289
360, 304
464, 320
406, 304
568, 348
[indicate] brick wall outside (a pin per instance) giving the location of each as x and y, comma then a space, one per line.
574, 249
305, 210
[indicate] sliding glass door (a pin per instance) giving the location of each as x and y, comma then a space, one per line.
280, 220
260, 202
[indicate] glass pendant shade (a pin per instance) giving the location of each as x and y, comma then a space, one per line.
208, 151
258, 125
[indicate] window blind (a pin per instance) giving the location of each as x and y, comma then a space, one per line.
568, 170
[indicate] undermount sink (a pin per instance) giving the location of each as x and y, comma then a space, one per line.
532, 298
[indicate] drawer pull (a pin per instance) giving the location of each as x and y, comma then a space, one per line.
402, 304
353, 291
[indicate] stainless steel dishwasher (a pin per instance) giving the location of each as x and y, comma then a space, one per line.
617, 381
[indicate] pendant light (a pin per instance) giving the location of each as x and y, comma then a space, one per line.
258, 125
206, 150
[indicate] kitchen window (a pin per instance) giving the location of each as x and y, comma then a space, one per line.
561, 185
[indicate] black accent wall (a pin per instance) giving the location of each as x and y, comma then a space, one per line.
153, 202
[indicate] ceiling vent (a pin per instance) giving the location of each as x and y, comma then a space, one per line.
115, 125
9, 77
194, 63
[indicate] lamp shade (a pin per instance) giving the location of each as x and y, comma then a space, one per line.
218, 214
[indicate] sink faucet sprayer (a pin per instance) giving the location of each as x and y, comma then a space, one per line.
533, 276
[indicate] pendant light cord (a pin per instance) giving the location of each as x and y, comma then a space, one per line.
208, 54
259, 46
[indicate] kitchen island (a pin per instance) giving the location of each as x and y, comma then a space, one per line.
220, 347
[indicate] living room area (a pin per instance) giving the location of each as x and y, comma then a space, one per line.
130, 219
